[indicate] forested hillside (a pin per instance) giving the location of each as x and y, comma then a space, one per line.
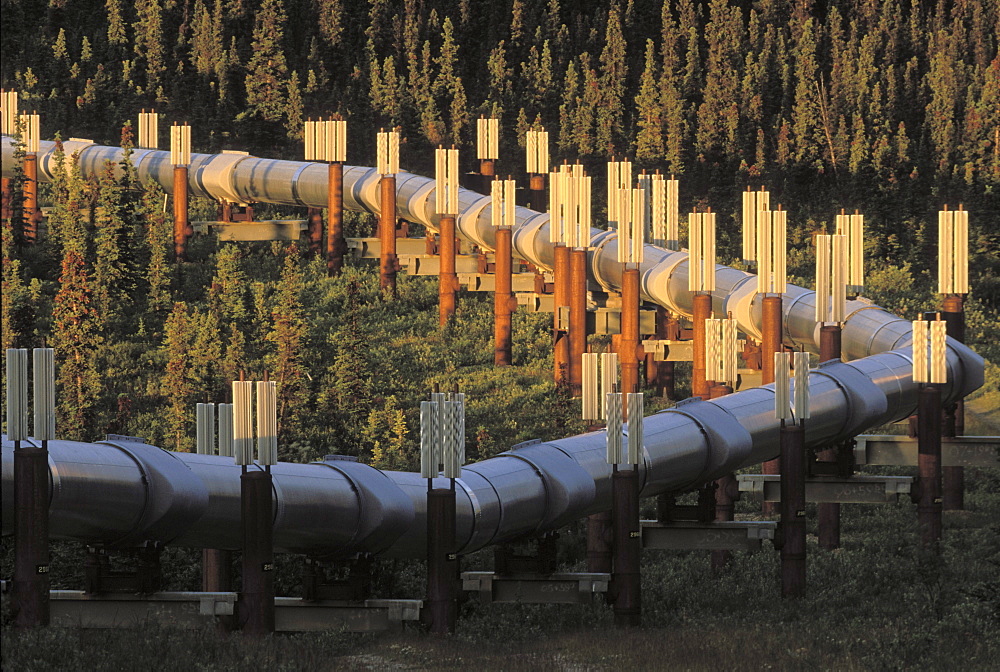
889, 107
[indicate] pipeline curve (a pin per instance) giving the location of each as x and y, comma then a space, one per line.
126, 492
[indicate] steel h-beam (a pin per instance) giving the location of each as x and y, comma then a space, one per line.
336, 245
256, 603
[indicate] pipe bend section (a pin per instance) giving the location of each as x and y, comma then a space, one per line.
175, 497
385, 511
727, 441
569, 488
864, 404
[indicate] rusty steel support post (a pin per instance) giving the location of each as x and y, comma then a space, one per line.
536, 193
629, 343
701, 309
726, 492
577, 319
6, 205
929, 465
503, 298
314, 219
828, 514
447, 279
771, 343
442, 562
387, 236
487, 173
627, 548
953, 478
660, 375
256, 599
793, 511
336, 246
180, 213
216, 570
31, 536
599, 542
560, 299
30, 192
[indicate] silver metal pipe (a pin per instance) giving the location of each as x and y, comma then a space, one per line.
339, 508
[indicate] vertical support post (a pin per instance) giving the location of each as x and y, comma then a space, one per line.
536, 192
701, 310
577, 317
560, 300
770, 344
314, 219
629, 342
336, 246
953, 478
6, 204
30, 193
627, 547
31, 540
793, 511
503, 193
487, 150
180, 157
929, 505
447, 278
726, 490
502, 298
256, 600
387, 235
442, 561
828, 513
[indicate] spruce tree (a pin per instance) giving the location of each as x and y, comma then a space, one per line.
267, 69
287, 345
649, 140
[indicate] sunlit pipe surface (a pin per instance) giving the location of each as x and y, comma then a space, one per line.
123, 493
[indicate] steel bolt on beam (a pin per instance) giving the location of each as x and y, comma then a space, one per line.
627, 549
828, 514
447, 279
256, 600
929, 504
793, 511
336, 245
180, 212
953, 478
578, 319
30, 195
701, 310
387, 236
31, 536
771, 343
560, 299
503, 299
536, 193
442, 562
